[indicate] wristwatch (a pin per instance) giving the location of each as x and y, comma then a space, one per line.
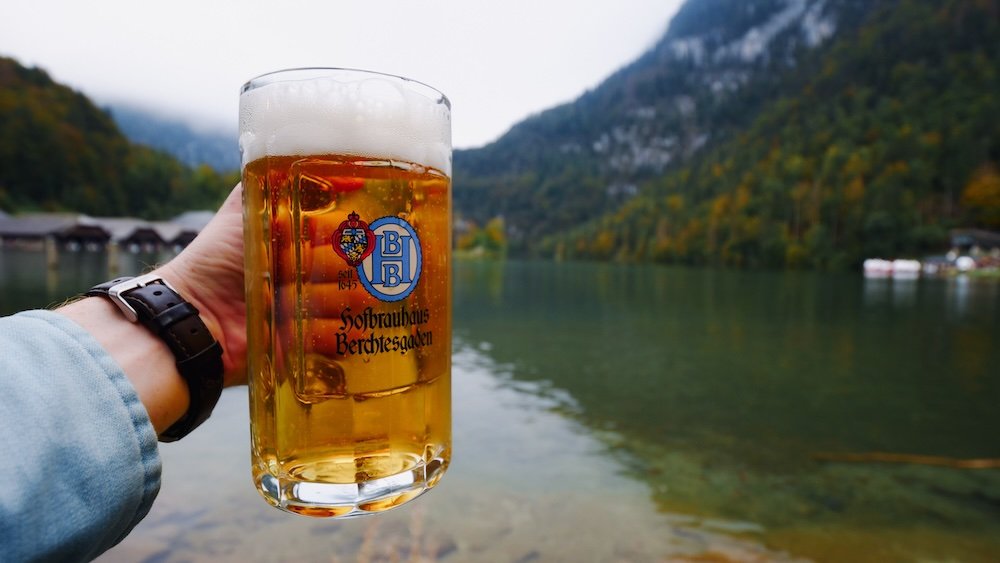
152, 302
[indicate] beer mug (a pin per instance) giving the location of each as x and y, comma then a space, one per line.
347, 214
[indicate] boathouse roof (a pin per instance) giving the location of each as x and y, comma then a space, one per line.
180, 230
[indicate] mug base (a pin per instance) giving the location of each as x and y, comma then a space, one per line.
350, 500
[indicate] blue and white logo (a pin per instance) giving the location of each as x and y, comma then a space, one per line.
393, 268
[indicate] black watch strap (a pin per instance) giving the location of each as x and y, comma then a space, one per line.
157, 306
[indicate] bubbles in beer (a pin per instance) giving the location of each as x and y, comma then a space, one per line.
322, 379
315, 195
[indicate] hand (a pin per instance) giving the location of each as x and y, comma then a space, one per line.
209, 274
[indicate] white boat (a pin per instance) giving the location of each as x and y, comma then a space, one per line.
877, 268
901, 269
905, 269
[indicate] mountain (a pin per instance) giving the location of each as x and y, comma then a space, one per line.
194, 148
762, 133
60, 152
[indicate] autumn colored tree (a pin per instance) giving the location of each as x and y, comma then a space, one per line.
981, 196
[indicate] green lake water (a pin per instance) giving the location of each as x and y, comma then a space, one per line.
641, 413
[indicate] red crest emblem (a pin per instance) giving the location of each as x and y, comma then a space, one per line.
353, 240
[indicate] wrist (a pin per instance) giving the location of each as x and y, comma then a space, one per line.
190, 292
153, 302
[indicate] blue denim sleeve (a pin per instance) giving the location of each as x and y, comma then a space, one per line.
78, 456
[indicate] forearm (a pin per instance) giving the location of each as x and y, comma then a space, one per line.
144, 356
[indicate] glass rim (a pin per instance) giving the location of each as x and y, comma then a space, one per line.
314, 72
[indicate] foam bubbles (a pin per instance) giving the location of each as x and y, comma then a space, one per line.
332, 111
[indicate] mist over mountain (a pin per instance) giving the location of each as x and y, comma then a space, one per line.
192, 147
60, 152
761, 132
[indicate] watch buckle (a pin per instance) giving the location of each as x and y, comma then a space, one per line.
117, 291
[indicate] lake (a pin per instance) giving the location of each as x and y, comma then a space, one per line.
643, 413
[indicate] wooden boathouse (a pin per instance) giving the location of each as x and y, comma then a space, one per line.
71, 231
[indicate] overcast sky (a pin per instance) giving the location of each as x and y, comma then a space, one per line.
498, 61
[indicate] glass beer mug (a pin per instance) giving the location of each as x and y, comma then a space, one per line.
347, 218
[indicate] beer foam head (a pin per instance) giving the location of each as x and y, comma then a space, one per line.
339, 111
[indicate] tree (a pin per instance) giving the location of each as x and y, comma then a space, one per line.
981, 196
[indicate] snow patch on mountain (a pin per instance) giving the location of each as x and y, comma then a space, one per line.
724, 66
817, 27
755, 41
692, 48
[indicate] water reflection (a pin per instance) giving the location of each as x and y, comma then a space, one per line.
31, 279
898, 292
967, 298
607, 413
527, 484
721, 387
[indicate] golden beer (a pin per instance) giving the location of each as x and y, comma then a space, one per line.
348, 289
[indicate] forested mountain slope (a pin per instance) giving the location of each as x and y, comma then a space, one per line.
771, 132
58, 151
